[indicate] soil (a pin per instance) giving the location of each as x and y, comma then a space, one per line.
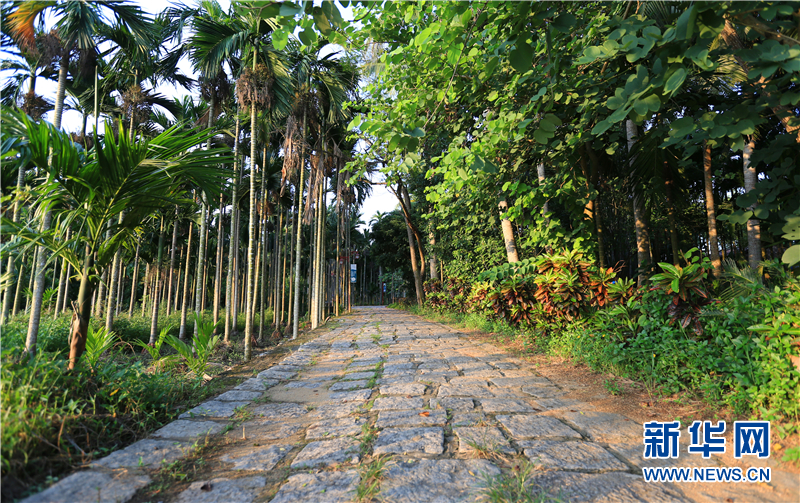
635, 399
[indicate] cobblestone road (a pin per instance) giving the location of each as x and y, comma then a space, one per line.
445, 413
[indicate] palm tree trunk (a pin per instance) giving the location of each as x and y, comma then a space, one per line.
251, 244
172, 261
201, 256
642, 233
232, 238
146, 290
713, 243
185, 299
134, 281
113, 284
540, 176
18, 295
38, 294
218, 268
673, 228
157, 284
298, 245
82, 314
178, 276
508, 233
753, 224
7, 298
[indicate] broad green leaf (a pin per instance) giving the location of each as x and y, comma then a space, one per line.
520, 58
279, 39
686, 24
675, 79
417, 133
307, 37
564, 22
590, 54
541, 136
791, 256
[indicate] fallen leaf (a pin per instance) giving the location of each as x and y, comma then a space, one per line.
206, 487
573, 410
728, 500
425, 414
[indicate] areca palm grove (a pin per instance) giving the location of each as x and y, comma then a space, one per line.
558, 167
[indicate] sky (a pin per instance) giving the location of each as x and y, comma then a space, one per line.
381, 199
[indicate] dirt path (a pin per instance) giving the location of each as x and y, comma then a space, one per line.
390, 407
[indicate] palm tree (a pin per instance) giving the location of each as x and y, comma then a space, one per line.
88, 192
78, 27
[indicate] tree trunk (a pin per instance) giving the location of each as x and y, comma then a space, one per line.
298, 247
157, 284
10, 294
201, 260
38, 294
218, 268
713, 243
113, 285
134, 281
185, 296
640, 224
508, 233
673, 228
232, 239
413, 252
753, 225
82, 314
540, 176
433, 265
594, 180
251, 237
172, 261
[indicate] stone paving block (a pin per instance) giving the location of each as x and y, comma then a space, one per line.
519, 373
468, 390
503, 365
396, 379
469, 380
280, 410
326, 452
560, 403
213, 408
264, 430
262, 459
307, 384
372, 360
322, 487
348, 385
604, 487
513, 382
183, 429
254, 384
286, 367
92, 486
242, 490
358, 375
403, 389
397, 368
436, 374
603, 426
435, 480
333, 410
469, 419
583, 456
236, 395
337, 427
430, 379
145, 453
350, 396
409, 441
452, 403
409, 418
276, 374
492, 406
398, 403
472, 439
525, 426
543, 391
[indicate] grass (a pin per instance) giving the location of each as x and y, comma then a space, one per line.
371, 476
514, 486
368, 435
54, 420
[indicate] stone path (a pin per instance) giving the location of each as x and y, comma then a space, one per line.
445, 414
